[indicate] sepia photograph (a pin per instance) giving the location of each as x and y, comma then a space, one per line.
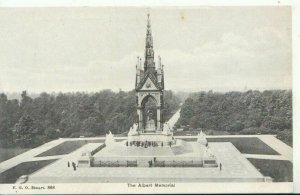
147, 98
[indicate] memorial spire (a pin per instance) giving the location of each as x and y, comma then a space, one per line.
149, 52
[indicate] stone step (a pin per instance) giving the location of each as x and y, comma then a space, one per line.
144, 162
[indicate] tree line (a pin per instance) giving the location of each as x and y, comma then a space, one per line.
30, 122
251, 112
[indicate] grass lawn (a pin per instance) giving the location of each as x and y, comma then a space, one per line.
246, 145
67, 147
7, 153
185, 133
11, 175
279, 170
207, 132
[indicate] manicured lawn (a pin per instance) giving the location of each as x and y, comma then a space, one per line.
7, 153
207, 132
279, 170
246, 145
67, 147
189, 139
11, 175
63, 148
185, 133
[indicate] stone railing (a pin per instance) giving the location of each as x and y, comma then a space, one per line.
98, 149
118, 163
173, 163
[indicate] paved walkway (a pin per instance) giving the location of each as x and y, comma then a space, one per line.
267, 157
172, 121
233, 163
47, 158
28, 155
282, 148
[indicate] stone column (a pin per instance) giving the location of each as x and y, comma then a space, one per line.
158, 118
140, 118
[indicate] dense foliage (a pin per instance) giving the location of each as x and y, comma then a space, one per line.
33, 121
251, 112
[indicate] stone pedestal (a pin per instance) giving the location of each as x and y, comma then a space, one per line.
84, 161
109, 139
158, 137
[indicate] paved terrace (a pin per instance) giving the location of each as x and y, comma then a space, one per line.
119, 149
285, 151
235, 167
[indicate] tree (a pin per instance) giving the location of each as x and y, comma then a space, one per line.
286, 136
90, 126
24, 131
251, 112
9, 115
6, 138
25, 102
36, 120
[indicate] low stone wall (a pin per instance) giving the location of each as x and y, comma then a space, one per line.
134, 163
117, 163
87, 159
178, 163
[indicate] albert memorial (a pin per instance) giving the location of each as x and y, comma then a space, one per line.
150, 152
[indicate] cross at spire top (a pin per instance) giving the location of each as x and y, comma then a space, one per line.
148, 20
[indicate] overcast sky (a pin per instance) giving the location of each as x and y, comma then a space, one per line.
90, 49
